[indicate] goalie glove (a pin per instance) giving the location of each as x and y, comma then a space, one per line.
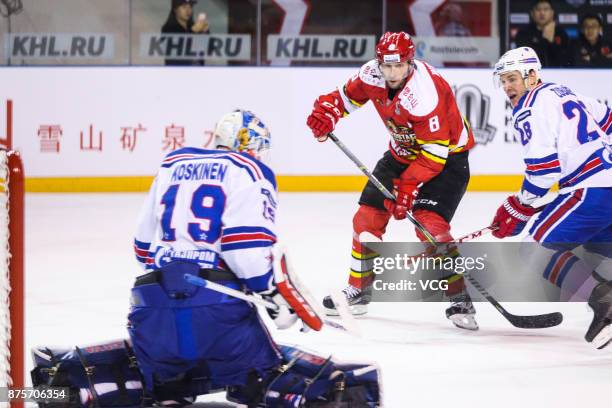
284, 317
293, 292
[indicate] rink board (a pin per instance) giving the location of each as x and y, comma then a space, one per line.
107, 128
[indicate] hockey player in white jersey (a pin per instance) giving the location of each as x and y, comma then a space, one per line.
211, 213
566, 140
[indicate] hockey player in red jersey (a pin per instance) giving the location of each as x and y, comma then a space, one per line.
426, 164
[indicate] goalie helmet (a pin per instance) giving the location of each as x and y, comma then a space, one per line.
394, 47
242, 131
522, 59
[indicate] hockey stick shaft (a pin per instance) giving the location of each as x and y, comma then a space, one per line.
475, 234
519, 321
205, 283
451, 245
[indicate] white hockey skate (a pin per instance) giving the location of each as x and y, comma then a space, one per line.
462, 312
356, 298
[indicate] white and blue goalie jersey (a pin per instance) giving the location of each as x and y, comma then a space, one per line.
211, 207
566, 140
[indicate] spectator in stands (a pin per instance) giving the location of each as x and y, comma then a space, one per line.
452, 23
549, 41
591, 49
180, 21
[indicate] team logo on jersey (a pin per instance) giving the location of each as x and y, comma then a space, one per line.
475, 106
403, 135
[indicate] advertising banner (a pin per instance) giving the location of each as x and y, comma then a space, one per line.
77, 122
71, 46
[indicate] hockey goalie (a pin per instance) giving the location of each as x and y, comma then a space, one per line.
210, 213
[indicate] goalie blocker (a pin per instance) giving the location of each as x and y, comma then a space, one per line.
107, 375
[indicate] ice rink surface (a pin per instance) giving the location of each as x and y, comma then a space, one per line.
80, 267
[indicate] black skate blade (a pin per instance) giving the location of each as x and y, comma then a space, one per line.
536, 322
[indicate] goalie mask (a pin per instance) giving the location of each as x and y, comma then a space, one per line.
242, 131
522, 59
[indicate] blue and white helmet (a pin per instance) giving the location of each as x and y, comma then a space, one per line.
242, 131
522, 59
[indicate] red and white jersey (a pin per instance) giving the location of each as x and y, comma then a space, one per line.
566, 139
214, 208
422, 118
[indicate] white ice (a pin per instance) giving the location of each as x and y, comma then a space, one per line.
80, 266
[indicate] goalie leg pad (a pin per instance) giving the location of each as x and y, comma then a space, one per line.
311, 380
107, 375
102, 375
331, 382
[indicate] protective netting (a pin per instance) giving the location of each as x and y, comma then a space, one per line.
5, 284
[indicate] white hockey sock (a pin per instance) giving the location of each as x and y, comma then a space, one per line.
584, 291
571, 274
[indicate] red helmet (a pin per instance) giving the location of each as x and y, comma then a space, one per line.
394, 47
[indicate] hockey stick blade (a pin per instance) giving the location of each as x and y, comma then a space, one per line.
333, 325
345, 315
524, 322
542, 321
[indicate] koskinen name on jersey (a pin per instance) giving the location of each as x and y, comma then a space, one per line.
200, 171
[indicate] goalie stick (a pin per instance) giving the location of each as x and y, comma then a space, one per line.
524, 322
205, 283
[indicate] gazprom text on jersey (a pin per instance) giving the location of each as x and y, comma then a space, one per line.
200, 171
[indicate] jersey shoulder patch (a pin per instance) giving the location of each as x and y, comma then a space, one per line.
420, 94
370, 74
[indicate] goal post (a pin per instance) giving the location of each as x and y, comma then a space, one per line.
12, 349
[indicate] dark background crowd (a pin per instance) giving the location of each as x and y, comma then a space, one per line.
564, 33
